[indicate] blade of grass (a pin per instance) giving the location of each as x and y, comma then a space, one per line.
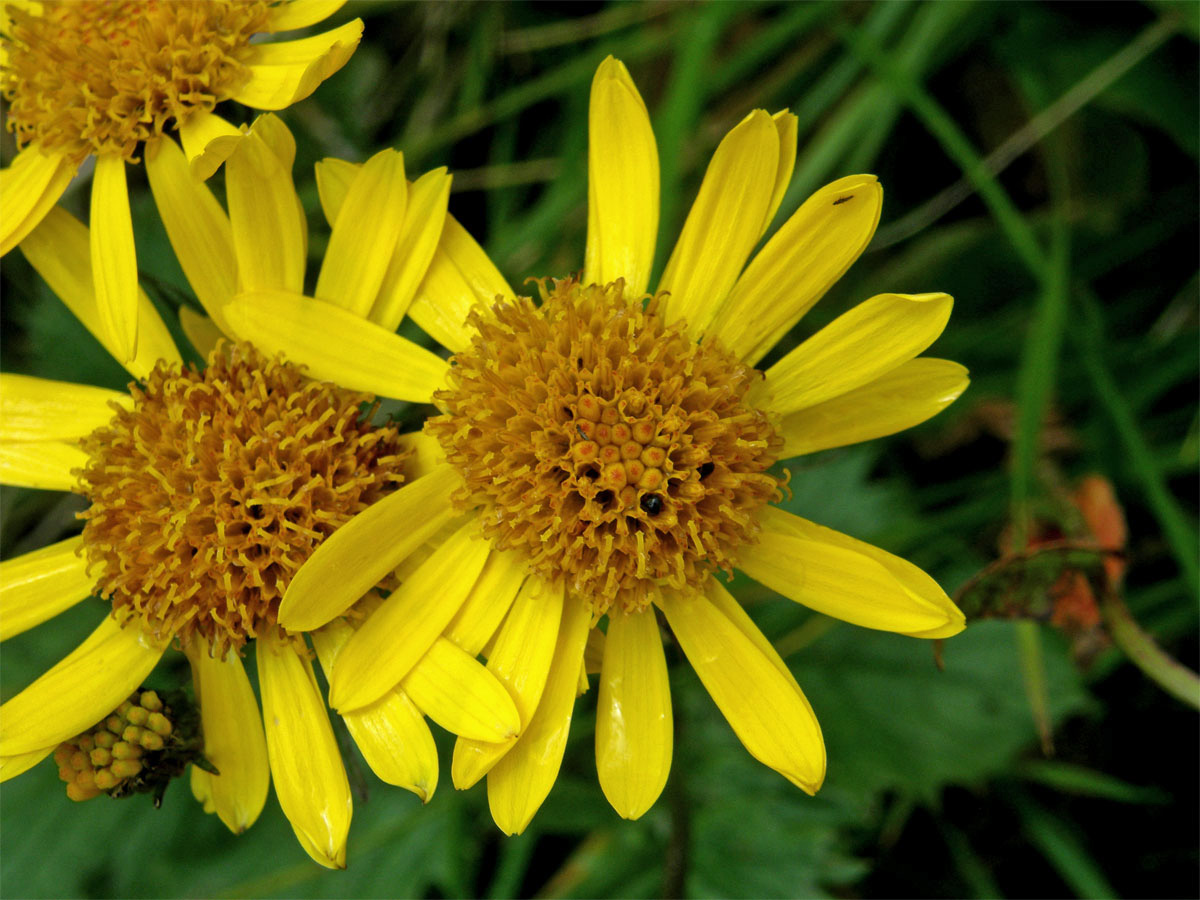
970, 866
1058, 844
515, 853
1073, 779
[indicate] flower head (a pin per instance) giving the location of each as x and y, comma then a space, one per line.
105, 77
616, 450
209, 489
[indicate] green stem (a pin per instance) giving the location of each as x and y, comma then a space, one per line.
1177, 680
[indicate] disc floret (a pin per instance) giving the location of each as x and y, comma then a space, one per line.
604, 444
217, 485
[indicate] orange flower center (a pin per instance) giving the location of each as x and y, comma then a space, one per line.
605, 444
101, 76
209, 494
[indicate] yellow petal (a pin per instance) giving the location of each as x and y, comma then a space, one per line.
233, 737
38, 586
334, 177
812, 250
12, 766
847, 579
387, 646
856, 348
306, 766
200, 330
424, 220
906, 396
725, 222
460, 275
458, 693
593, 654
29, 188
59, 248
301, 13
268, 226
196, 225
114, 258
356, 556
391, 732
201, 784
521, 659
38, 409
622, 182
75, 694
634, 730
336, 345
520, 781
490, 599
786, 125
286, 72
365, 234
427, 453
766, 710
47, 465
208, 140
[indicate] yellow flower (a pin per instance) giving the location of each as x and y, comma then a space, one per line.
616, 453
616, 463
208, 490
99, 78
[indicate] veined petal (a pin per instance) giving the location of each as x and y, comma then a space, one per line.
856, 348
424, 220
268, 226
38, 586
233, 737
200, 330
41, 464
808, 254
521, 780
38, 409
310, 779
114, 257
622, 182
906, 396
459, 275
196, 225
201, 784
765, 708
356, 556
725, 222
59, 248
521, 659
847, 579
208, 140
457, 692
391, 732
786, 125
301, 13
490, 599
288, 71
87, 685
12, 766
365, 234
29, 188
387, 646
634, 729
334, 177
336, 345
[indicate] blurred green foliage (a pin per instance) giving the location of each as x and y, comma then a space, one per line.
1040, 165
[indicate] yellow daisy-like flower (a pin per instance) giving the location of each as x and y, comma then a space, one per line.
617, 454
98, 78
209, 489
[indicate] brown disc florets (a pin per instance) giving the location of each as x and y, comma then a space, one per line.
605, 444
89, 76
211, 492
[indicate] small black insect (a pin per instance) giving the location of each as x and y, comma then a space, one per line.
706, 470
841, 200
582, 436
652, 504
